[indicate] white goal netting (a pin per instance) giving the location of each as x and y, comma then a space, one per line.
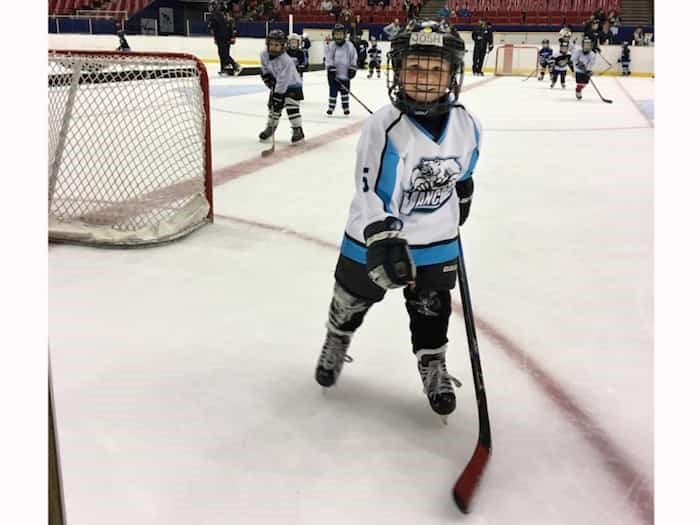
129, 147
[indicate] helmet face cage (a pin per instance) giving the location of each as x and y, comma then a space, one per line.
277, 36
426, 69
587, 44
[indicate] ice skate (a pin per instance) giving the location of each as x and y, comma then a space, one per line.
579, 96
297, 136
329, 111
346, 112
541, 77
266, 133
563, 86
333, 357
370, 75
437, 383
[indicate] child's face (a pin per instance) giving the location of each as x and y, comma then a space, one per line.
425, 79
294, 44
275, 47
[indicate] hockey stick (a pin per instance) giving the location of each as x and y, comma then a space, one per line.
606, 100
466, 484
530, 75
345, 90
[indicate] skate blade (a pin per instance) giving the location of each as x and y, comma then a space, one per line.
298, 142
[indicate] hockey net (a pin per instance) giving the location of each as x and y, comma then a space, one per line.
129, 147
513, 60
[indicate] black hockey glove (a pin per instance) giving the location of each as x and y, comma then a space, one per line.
389, 261
277, 102
269, 80
351, 73
465, 189
589, 73
331, 74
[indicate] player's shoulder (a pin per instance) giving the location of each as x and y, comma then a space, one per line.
460, 111
382, 120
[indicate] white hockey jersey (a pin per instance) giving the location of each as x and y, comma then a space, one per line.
343, 58
283, 68
401, 172
579, 58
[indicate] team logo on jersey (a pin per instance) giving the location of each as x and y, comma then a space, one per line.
432, 183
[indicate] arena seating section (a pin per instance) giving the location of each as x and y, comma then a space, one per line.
69, 7
498, 12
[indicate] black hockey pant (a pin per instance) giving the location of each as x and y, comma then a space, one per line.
428, 304
478, 60
224, 50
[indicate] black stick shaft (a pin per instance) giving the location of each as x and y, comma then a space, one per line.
346, 90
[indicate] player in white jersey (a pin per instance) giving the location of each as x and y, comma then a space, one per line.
583, 59
341, 67
414, 164
279, 73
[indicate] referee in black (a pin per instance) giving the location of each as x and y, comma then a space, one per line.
483, 41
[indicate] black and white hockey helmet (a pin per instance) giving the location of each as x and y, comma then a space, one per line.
434, 43
276, 35
545, 42
339, 34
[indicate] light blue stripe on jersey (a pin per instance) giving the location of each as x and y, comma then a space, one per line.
421, 256
475, 153
387, 177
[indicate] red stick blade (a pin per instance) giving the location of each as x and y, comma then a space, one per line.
469, 479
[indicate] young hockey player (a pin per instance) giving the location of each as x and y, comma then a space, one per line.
414, 164
543, 56
583, 59
559, 62
624, 59
375, 57
280, 75
295, 51
123, 44
341, 66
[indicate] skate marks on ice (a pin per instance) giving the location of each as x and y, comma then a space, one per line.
637, 487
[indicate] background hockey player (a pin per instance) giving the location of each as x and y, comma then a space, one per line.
624, 59
375, 57
583, 59
280, 75
221, 26
413, 182
361, 46
123, 44
559, 62
544, 54
483, 42
295, 51
341, 67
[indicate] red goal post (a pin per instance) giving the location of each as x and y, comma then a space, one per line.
129, 147
515, 60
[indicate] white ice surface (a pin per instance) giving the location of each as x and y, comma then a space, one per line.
183, 374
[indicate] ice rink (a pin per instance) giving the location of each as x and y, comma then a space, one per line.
183, 374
